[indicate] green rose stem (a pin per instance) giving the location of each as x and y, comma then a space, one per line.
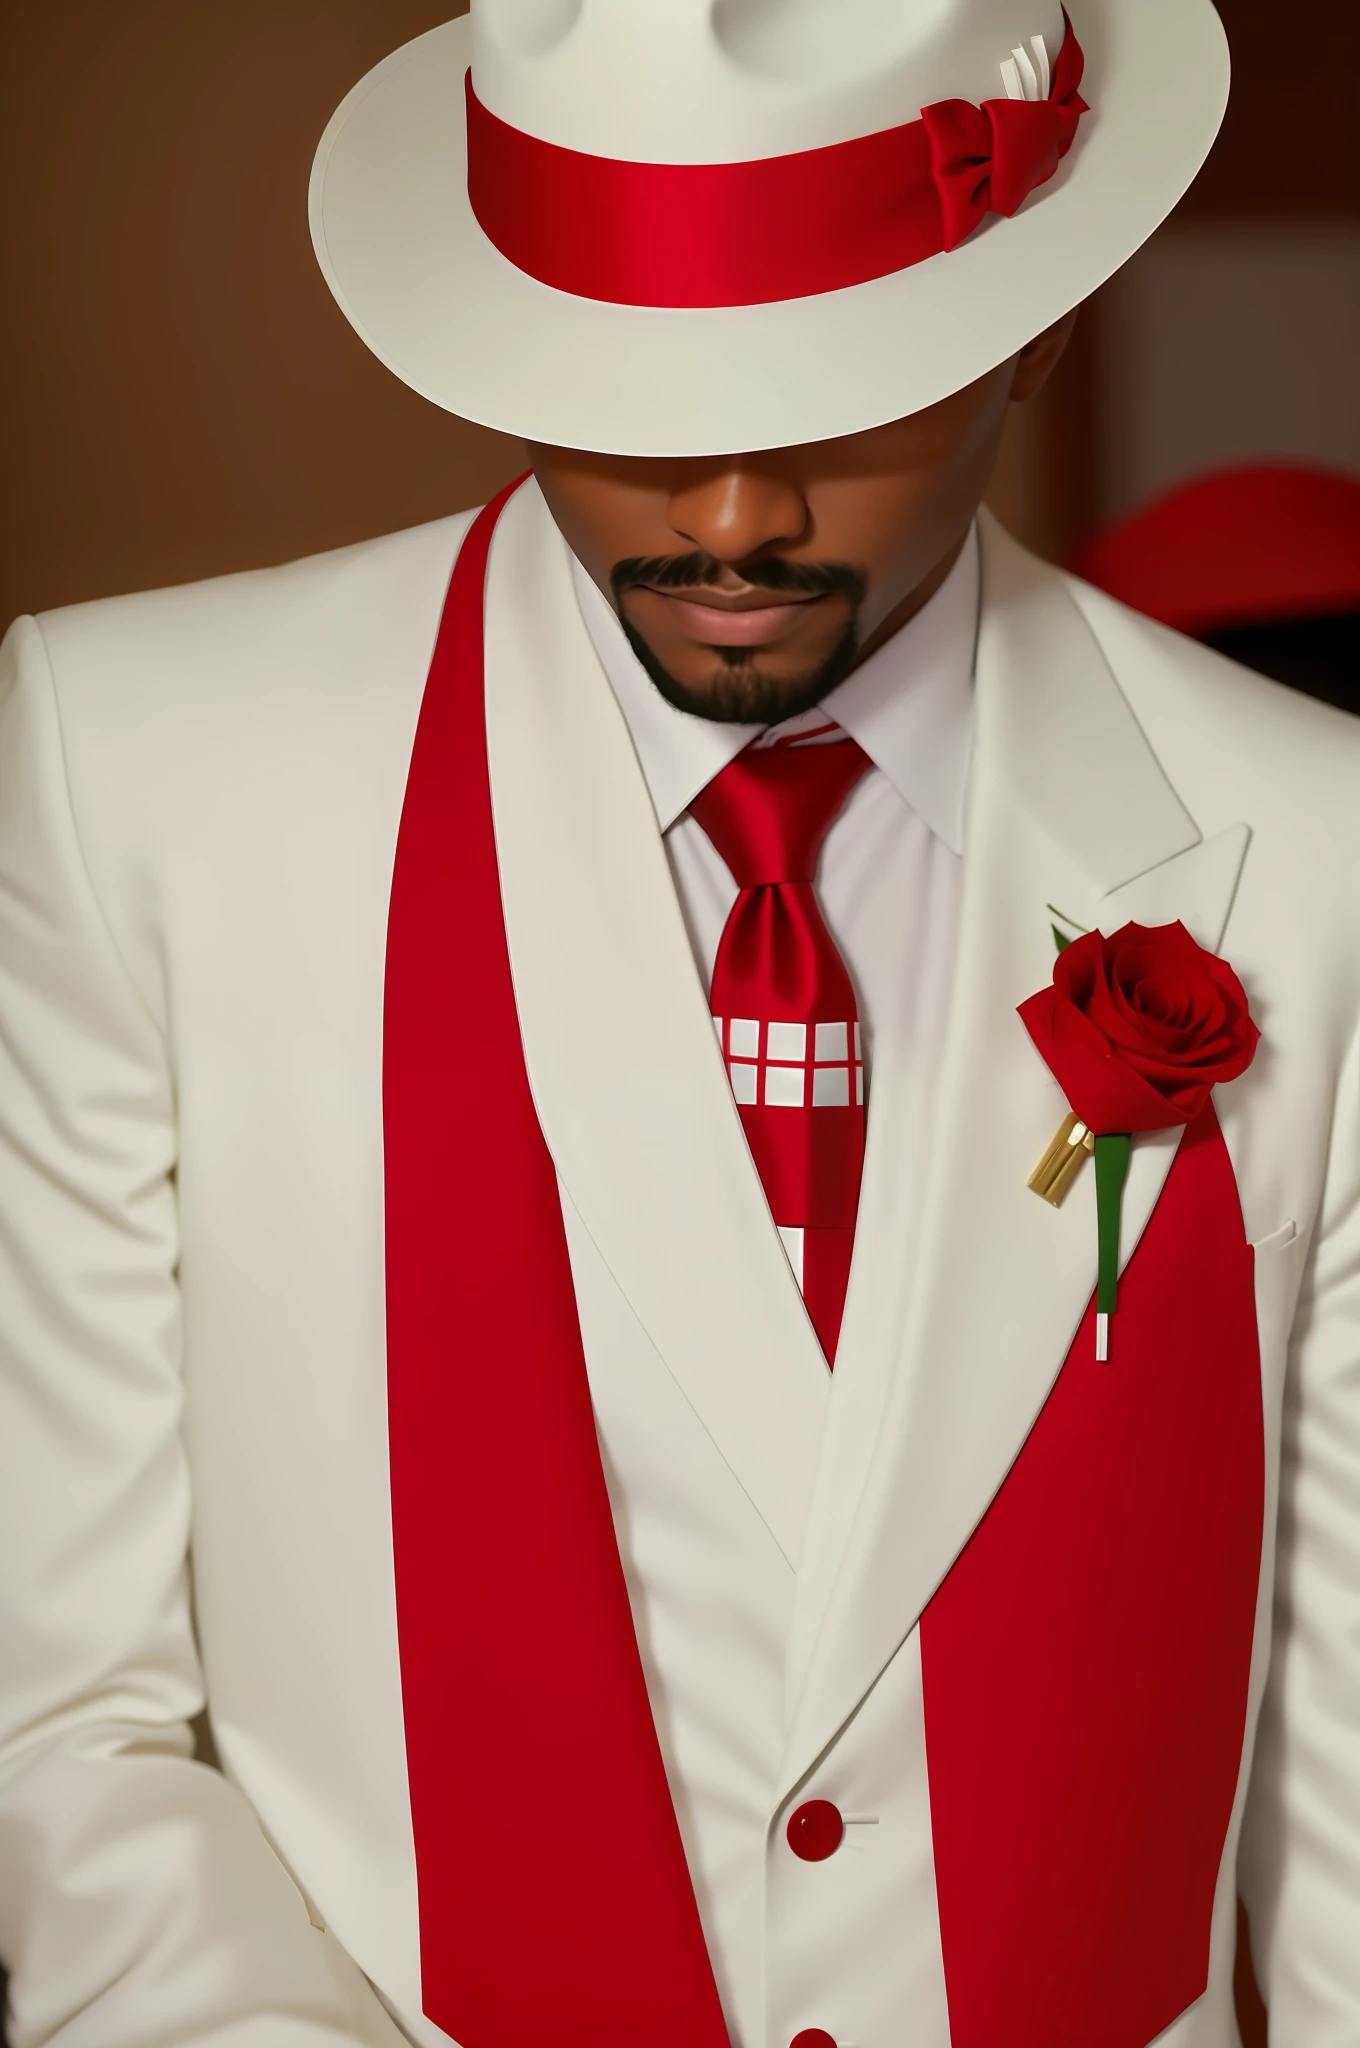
1112, 1166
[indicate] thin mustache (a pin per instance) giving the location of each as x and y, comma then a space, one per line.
699, 571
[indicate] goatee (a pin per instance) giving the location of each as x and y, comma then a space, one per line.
739, 694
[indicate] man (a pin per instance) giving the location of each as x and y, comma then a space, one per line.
522, 1290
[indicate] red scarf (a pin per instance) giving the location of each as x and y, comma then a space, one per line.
1085, 1661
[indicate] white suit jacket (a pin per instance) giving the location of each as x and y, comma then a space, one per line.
200, 793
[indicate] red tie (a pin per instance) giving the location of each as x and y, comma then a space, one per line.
785, 1009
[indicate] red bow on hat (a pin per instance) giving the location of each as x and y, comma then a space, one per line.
865, 208
989, 159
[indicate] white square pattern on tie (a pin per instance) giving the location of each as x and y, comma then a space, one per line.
789, 1066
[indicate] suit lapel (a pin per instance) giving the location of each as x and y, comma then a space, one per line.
1070, 806
1197, 887
620, 1049
494, 1458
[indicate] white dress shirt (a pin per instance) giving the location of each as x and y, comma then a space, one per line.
888, 881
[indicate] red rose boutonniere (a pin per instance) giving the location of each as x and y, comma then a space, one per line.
1137, 1030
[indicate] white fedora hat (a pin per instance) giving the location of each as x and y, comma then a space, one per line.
683, 227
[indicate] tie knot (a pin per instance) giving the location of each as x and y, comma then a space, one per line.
768, 811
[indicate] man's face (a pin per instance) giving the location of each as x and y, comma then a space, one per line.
749, 585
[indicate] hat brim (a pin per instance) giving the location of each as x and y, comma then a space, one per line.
449, 315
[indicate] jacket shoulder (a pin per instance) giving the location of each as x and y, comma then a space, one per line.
238, 746
1257, 720
1241, 749
1233, 744
275, 628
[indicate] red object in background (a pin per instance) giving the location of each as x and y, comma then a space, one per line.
1237, 547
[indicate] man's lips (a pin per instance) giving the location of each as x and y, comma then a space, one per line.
748, 620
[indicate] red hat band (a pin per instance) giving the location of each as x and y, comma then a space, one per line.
678, 235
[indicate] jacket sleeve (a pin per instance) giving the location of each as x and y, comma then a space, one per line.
139, 1899
1300, 1862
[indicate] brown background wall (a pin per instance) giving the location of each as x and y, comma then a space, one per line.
178, 395
1283, 165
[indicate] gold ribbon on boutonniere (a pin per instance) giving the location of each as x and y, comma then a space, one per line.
1137, 1030
1073, 1142
1072, 1145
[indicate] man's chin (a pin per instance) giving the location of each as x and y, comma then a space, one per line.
741, 693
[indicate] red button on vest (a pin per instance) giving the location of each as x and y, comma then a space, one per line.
813, 2037
815, 1831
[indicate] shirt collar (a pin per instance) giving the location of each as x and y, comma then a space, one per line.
910, 706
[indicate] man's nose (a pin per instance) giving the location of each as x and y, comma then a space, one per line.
739, 509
